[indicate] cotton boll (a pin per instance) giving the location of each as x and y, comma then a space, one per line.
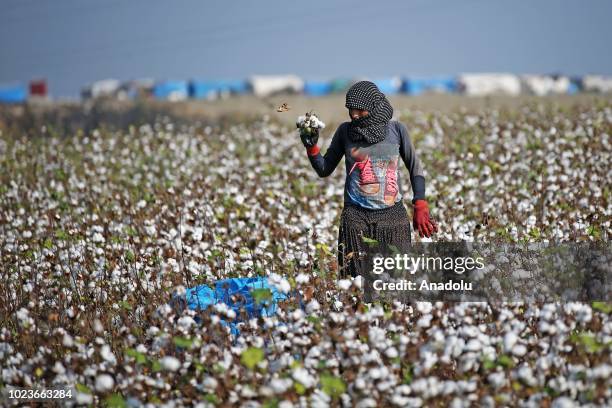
302, 376
425, 321
104, 383
563, 402
186, 322
424, 307
170, 363
510, 340
107, 354
344, 284
312, 306
497, 380
83, 398
519, 350
391, 352
302, 278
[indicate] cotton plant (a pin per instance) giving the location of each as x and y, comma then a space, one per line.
97, 244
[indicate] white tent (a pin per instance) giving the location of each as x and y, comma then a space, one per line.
266, 85
102, 88
597, 83
545, 84
489, 84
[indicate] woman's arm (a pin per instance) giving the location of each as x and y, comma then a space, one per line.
413, 164
421, 220
325, 165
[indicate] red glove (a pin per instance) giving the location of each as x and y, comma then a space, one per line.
421, 221
313, 151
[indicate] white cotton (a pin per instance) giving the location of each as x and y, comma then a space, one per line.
170, 363
302, 376
344, 284
104, 383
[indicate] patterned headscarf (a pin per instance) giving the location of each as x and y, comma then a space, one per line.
372, 128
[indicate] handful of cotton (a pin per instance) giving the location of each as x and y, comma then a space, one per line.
309, 126
308, 123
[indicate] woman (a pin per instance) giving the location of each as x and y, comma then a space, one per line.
372, 144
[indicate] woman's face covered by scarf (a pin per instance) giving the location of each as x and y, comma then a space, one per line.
365, 96
357, 113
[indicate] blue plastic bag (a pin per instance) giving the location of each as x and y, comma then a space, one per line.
237, 294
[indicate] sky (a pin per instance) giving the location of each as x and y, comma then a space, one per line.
74, 42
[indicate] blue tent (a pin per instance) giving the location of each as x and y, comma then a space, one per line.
237, 86
212, 89
317, 88
171, 90
253, 296
575, 85
341, 84
388, 86
418, 86
13, 94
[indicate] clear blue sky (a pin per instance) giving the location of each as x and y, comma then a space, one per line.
73, 42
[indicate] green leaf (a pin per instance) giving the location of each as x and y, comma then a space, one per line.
505, 361
212, 398
115, 401
593, 231
299, 388
488, 364
588, 341
261, 294
48, 243
603, 307
156, 366
61, 234
251, 357
369, 241
394, 249
82, 388
131, 231
136, 355
273, 403
534, 232
183, 342
129, 256
332, 386
324, 248
125, 305
407, 374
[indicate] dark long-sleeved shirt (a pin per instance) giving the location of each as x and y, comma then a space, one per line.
372, 170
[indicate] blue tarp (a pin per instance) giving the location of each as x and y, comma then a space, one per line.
575, 85
340, 84
13, 94
171, 89
418, 86
388, 86
212, 89
317, 88
237, 294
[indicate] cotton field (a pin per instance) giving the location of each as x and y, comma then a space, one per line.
100, 230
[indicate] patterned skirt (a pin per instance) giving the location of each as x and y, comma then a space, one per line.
389, 226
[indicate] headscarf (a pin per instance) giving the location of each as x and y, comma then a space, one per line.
372, 128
